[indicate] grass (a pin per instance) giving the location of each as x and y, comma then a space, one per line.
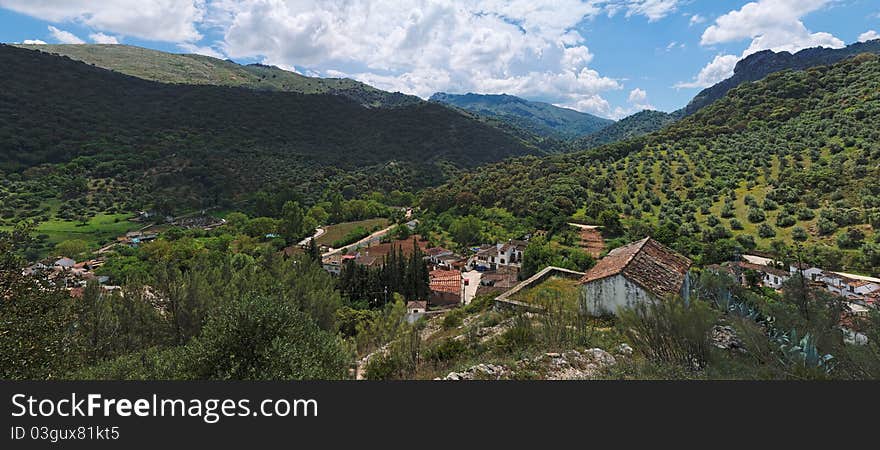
98, 231
554, 289
339, 231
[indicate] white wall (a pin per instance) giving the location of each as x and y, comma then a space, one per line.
609, 295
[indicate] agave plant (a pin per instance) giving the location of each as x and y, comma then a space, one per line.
804, 352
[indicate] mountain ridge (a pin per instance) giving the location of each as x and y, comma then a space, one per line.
540, 118
761, 64
181, 68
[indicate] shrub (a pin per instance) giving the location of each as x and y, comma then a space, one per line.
766, 231
756, 215
670, 331
785, 221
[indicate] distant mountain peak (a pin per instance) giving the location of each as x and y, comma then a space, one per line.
543, 119
760, 64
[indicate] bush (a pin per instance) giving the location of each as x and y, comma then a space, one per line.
453, 319
785, 221
671, 330
766, 231
756, 215
447, 350
746, 240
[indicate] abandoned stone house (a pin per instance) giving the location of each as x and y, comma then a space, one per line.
638, 272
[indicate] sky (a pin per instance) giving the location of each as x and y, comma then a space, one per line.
611, 58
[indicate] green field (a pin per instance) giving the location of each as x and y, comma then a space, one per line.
338, 231
98, 231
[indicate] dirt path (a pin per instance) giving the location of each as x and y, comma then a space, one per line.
591, 239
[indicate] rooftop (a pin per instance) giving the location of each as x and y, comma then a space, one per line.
648, 263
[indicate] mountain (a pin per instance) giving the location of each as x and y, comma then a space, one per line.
174, 68
638, 124
206, 144
540, 118
791, 158
758, 65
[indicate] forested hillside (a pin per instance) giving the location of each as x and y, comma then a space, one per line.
787, 160
638, 124
204, 70
539, 118
760, 64
201, 145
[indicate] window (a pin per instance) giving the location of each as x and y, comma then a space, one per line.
775, 280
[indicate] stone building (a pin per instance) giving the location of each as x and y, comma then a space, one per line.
637, 272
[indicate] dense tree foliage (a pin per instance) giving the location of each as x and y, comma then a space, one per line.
796, 151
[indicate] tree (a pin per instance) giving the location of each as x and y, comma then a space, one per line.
313, 251
236, 221
291, 225
35, 317
466, 231
263, 338
537, 255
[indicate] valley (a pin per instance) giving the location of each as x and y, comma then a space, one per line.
466, 237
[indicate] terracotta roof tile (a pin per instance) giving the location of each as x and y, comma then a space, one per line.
648, 263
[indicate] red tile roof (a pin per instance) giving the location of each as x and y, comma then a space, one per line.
648, 263
445, 281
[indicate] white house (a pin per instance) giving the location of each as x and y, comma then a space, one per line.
508, 254
639, 272
810, 273
770, 276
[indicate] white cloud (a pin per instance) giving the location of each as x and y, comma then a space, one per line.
771, 25
869, 35
101, 38
33, 42
721, 68
654, 10
159, 20
638, 95
696, 19
200, 50
65, 37
522, 47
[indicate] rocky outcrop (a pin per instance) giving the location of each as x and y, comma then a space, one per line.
570, 365
725, 338
761, 64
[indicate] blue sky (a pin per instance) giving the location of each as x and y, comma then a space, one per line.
607, 57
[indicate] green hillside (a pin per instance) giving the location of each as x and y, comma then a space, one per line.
787, 160
174, 68
539, 118
101, 141
638, 124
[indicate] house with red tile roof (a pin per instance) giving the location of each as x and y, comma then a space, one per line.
638, 272
446, 287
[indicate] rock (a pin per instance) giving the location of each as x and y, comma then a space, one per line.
624, 350
725, 337
478, 372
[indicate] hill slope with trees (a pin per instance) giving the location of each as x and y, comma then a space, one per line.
760, 64
194, 69
540, 118
638, 124
202, 145
785, 161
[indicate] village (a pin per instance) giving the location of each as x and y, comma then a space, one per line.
641, 271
